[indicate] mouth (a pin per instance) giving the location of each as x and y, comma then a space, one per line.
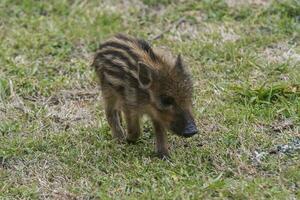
189, 134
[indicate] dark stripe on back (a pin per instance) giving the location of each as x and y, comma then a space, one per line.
120, 55
109, 63
120, 46
116, 74
147, 48
120, 74
144, 45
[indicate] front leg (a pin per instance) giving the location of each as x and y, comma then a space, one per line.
161, 140
133, 126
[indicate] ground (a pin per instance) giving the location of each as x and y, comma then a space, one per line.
245, 58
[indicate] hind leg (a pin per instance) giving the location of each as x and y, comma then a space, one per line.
113, 118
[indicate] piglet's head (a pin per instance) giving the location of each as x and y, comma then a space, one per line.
170, 90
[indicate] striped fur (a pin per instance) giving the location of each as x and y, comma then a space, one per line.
137, 79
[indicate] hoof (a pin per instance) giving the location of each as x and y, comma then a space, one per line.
163, 156
131, 141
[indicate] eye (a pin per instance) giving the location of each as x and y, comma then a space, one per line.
166, 101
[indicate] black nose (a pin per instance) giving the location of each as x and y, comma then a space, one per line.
190, 130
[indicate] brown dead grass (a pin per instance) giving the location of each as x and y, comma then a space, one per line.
280, 53
236, 3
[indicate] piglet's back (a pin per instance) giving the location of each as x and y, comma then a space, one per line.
125, 52
116, 64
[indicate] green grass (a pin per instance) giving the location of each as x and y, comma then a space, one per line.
54, 139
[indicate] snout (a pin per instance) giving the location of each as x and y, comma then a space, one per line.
184, 125
190, 130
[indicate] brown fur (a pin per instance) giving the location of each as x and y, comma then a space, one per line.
136, 79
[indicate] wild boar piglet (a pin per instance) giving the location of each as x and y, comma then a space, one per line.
137, 79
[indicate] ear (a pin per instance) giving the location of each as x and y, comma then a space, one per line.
145, 75
179, 66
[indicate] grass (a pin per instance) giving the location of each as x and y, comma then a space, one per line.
54, 139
